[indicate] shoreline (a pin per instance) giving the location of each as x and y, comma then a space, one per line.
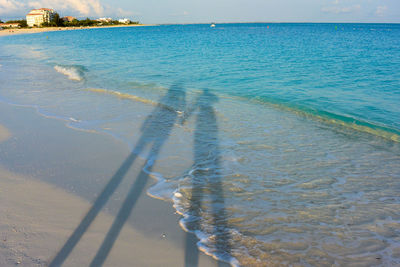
38, 216
4, 133
8, 32
31, 233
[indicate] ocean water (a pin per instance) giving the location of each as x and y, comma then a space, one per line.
278, 145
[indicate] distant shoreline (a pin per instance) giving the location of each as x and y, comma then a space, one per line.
274, 22
12, 31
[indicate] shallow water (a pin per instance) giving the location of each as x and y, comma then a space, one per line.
277, 146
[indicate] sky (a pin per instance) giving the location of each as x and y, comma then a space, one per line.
206, 11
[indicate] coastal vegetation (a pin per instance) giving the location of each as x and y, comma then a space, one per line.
89, 22
57, 21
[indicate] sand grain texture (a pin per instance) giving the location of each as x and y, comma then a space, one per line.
37, 217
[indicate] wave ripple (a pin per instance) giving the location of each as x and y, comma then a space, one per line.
75, 73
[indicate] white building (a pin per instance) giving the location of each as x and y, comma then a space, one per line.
9, 25
104, 19
38, 16
125, 21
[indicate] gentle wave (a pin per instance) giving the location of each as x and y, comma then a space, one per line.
326, 117
207, 240
132, 97
339, 120
75, 73
319, 115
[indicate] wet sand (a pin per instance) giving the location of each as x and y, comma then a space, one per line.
6, 32
34, 226
4, 133
37, 216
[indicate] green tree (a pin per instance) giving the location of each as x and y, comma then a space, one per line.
87, 22
74, 22
56, 21
23, 23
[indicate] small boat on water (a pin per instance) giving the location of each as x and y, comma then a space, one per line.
212, 25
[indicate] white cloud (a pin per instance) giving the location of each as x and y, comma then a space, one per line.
84, 7
380, 11
338, 9
7, 6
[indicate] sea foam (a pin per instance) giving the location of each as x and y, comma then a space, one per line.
74, 73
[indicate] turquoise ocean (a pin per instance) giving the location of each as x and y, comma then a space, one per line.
277, 143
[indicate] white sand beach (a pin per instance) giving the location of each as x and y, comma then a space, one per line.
6, 32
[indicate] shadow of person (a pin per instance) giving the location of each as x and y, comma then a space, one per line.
206, 181
155, 131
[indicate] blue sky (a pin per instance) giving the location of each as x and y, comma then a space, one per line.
196, 11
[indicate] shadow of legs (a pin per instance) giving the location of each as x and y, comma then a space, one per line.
156, 128
207, 180
93, 212
120, 220
191, 250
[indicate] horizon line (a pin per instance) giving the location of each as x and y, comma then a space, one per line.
237, 22
276, 22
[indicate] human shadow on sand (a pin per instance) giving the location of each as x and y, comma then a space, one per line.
155, 131
206, 182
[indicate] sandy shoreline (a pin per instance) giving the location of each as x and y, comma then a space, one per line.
33, 226
37, 217
4, 133
6, 32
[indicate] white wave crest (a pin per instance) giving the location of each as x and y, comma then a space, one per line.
71, 72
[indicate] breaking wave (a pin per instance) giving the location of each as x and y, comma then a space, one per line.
75, 73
